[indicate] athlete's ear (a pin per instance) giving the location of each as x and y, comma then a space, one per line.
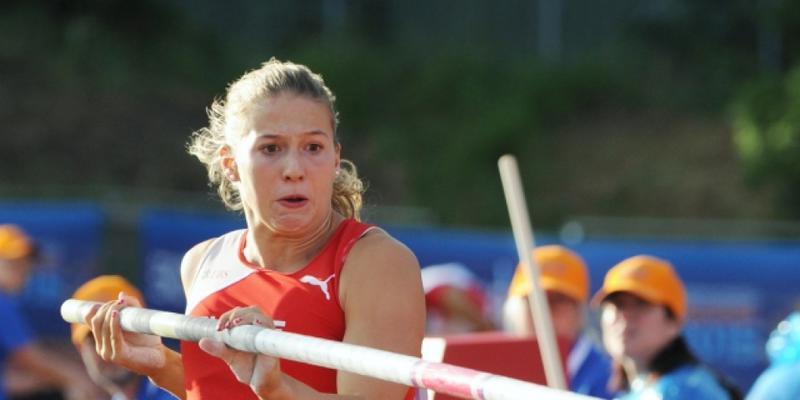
338, 148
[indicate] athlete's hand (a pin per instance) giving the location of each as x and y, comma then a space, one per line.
143, 354
260, 372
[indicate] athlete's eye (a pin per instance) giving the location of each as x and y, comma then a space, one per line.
270, 148
314, 147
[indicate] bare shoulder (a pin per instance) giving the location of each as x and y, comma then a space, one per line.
383, 302
191, 263
379, 253
378, 260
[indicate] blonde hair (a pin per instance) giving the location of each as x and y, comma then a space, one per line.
226, 118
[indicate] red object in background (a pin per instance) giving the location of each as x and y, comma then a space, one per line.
493, 352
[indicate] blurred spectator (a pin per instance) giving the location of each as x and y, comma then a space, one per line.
643, 309
565, 280
18, 255
456, 300
120, 383
781, 380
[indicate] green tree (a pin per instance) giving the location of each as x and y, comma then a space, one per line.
766, 124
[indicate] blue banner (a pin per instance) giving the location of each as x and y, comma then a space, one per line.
737, 291
69, 237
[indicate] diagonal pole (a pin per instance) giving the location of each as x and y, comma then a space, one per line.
407, 370
523, 237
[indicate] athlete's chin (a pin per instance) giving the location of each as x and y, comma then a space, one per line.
292, 225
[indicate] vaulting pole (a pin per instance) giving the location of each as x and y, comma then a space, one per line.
403, 369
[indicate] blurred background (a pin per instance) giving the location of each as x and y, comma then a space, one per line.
663, 126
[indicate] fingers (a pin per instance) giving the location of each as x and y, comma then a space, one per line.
258, 371
241, 363
115, 338
213, 347
244, 316
129, 300
89, 315
97, 323
104, 322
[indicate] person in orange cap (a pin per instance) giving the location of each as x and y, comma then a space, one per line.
18, 349
565, 280
642, 312
120, 383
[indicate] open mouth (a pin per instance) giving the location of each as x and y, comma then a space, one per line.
293, 200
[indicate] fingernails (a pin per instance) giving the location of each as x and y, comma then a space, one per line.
114, 313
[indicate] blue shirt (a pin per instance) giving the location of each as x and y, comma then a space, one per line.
781, 381
14, 333
149, 391
589, 369
687, 382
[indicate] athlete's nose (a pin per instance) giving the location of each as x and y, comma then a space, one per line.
293, 169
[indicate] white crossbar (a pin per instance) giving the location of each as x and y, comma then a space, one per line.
403, 369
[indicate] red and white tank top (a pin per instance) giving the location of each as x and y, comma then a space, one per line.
304, 302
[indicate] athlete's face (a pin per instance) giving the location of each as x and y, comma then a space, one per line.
634, 328
286, 163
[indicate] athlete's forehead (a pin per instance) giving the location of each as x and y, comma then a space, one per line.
270, 134
289, 114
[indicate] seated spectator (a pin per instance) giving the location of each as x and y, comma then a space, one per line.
565, 280
18, 349
781, 380
455, 299
119, 382
643, 311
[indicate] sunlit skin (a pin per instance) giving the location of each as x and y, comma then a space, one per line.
635, 330
284, 166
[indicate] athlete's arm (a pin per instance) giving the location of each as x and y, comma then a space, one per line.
170, 375
381, 293
143, 354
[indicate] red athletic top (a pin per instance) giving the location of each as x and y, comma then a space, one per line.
304, 302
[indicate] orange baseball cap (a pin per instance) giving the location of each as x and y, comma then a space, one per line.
14, 243
560, 269
103, 288
650, 278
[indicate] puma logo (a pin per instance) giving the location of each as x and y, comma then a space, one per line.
323, 285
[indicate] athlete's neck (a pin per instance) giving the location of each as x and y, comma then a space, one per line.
288, 254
